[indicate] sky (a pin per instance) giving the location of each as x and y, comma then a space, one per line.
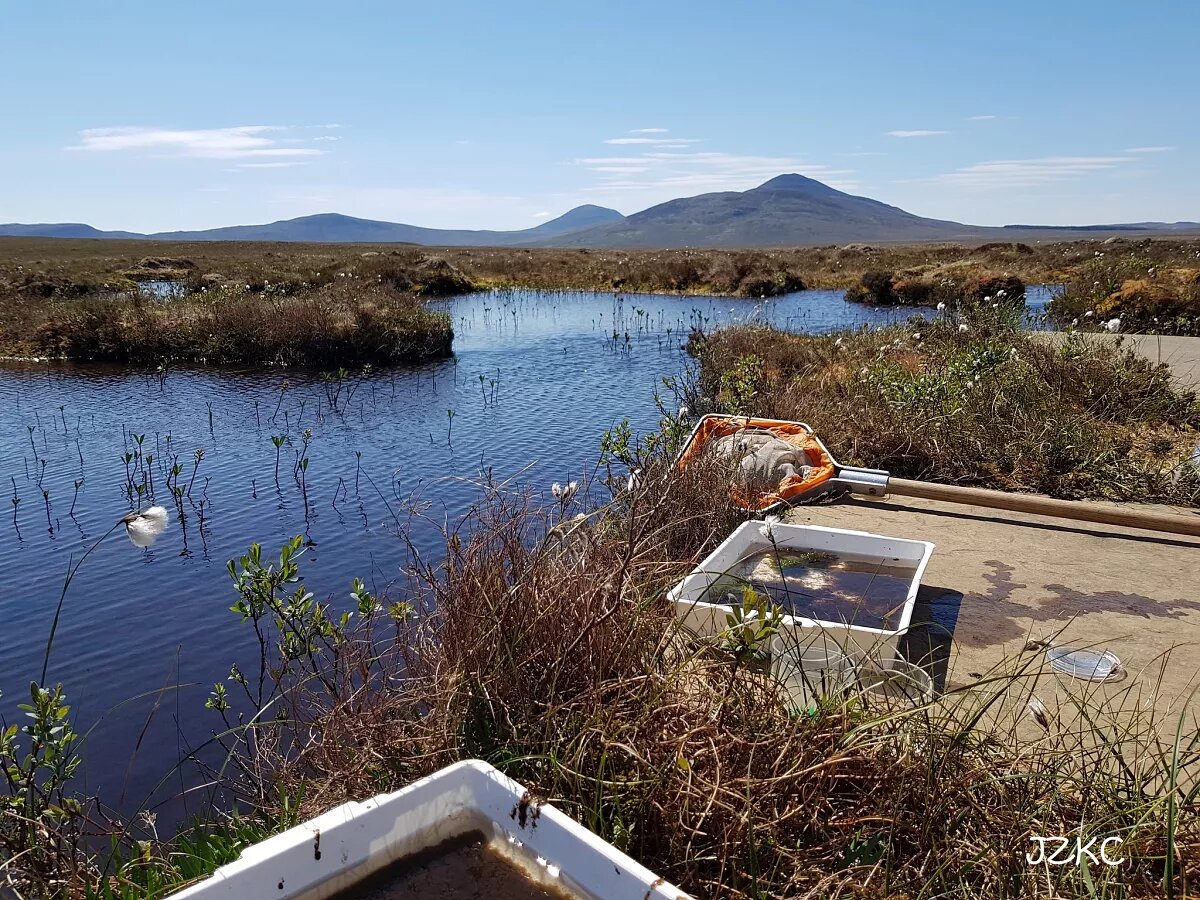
149, 116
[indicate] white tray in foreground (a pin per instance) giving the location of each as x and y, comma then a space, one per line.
694, 598
333, 852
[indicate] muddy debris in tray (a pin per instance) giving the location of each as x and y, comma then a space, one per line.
466, 867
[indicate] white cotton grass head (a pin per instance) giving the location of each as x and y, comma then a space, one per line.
941, 307
145, 526
564, 492
1039, 713
963, 329
1112, 326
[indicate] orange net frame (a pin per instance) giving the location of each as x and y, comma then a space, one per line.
713, 428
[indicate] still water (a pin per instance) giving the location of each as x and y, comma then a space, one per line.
535, 379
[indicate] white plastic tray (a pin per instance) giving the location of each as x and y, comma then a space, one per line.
709, 619
319, 858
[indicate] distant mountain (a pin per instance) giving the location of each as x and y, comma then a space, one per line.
789, 210
786, 211
62, 230
334, 228
1157, 227
578, 219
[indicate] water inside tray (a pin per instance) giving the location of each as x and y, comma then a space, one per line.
863, 591
466, 867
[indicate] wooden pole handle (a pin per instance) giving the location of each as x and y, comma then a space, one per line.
1104, 514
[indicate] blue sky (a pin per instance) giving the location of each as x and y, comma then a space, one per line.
484, 114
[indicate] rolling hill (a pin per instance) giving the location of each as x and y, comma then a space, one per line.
338, 229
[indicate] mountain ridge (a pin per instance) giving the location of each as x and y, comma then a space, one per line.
342, 229
787, 210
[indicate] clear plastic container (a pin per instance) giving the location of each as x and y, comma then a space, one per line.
809, 672
1090, 665
890, 682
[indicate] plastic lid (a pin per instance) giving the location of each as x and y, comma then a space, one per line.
1090, 665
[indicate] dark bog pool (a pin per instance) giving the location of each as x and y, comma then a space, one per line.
462, 868
536, 378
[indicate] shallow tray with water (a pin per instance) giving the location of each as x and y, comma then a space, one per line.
855, 590
466, 867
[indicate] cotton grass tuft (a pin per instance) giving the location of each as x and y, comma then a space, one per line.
145, 527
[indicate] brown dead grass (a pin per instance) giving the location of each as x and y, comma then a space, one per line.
991, 406
83, 266
555, 657
333, 325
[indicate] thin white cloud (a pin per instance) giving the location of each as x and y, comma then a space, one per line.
659, 142
542, 215
611, 160
328, 137
916, 133
1149, 150
649, 130
1012, 173
665, 173
269, 165
980, 118
238, 142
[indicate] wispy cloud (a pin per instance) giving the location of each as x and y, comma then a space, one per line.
611, 160
1149, 149
238, 142
267, 165
328, 137
542, 215
673, 172
1006, 173
980, 118
654, 142
649, 130
916, 133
